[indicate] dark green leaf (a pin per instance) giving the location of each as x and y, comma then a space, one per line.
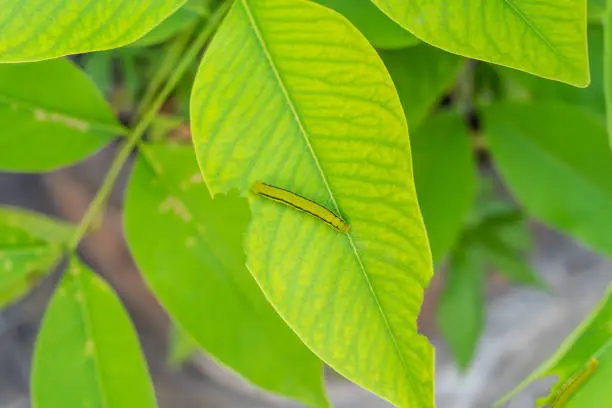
30, 245
556, 160
422, 75
461, 310
445, 176
87, 352
196, 267
51, 115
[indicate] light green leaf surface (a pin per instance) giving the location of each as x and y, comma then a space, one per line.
546, 38
87, 352
177, 22
33, 30
196, 268
445, 173
461, 309
592, 339
380, 30
311, 108
539, 89
51, 115
422, 75
556, 161
30, 244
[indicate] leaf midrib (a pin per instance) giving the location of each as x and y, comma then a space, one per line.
86, 316
302, 129
94, 125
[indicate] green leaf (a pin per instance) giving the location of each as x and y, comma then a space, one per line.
177, 22
591, 98
556, 161
33, 30
380, 30
607, 76
51, 115
196, 268
597, 8
461, 309
87, 352
591, 339
444, 172
99, 67
30, 244
546, 38
311, 108
422, 75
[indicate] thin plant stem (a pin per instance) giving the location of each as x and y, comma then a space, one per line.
97, 205
173, 53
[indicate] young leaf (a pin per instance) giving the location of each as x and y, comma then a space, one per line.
461, 311
30, 244
33, 30
380, 30
590, 340
546, 38
196, 268
87, 352
51, 115
540, 89
311, 108
422, 74
556, 160
445, 176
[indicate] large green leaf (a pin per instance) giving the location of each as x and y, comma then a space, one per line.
311, 108
30, 244
546, 37
444, 172
380, 30
555, 159
590, 340
87, 352
421, 74
51, 115
540, 89
461, 311
33, 30
196, 268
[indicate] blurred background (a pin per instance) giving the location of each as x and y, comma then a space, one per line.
523, 324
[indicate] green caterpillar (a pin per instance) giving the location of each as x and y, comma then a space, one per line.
303, 204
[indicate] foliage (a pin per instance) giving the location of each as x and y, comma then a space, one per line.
386, 112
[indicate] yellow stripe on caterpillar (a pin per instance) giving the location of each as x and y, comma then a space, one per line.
573, 384
303, 204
